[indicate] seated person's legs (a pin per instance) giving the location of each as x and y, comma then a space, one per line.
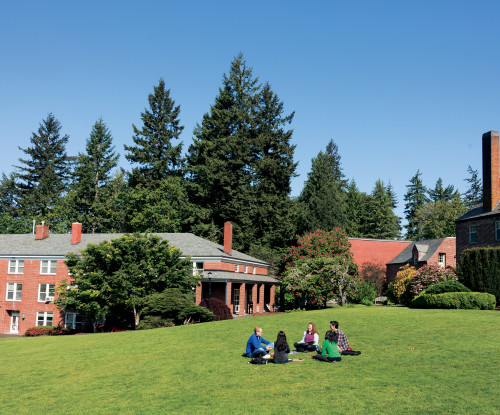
258, 352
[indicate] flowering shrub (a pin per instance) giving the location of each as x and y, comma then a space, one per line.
398, 288
427, 276
374, 274
318, 269
46, 331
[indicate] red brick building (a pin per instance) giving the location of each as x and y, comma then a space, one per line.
480, 227
375, 251
440, 252
31, 266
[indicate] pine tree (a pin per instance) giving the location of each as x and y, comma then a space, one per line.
383, 223
440, 193
92, 179
415, 198
154, 150
220, 166
474, 193
44, 175
358, 205
324, 194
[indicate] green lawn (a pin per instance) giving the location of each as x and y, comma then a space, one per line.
412, 362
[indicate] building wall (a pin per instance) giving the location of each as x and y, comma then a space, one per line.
231, 267
448, 247
376, 251
29, 304
485, 227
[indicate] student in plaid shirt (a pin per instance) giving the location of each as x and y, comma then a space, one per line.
342, 341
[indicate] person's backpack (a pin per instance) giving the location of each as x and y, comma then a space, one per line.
259, 360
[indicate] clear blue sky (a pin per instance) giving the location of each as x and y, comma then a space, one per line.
398, 85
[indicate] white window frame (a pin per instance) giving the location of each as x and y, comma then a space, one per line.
472, 231
497, 230
442, 259
50, 265
237, 268
73, 321
254, 272
45, 317
16, 291
196, 267
16, 266
246, 269
48, 292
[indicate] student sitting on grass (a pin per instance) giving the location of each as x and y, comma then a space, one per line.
310, 339
330, 350
281, 350
254, 345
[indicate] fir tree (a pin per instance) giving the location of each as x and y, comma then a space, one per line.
154, 150
474, 193
440, 193
358, 205
220, 166
383, 223
92, 179
324, 196
43, 176
415, 198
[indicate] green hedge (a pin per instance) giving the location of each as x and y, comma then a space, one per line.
472, 300
446, 287
479, 269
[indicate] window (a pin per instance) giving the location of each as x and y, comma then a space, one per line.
472, 234
73, 321
44, 318
497, 230
254, 271
16, 266
442, 260
46, 292
48, 266
197, 268
415, 258
14, 291
237, 268
246, 269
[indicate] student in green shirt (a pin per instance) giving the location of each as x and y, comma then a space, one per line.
330, 350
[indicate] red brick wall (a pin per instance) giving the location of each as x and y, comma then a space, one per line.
448, 247
485, 227
375, 250
29, 304
230, 267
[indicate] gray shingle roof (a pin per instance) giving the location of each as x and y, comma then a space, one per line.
427, 248
218, 276
477, 211
57, 245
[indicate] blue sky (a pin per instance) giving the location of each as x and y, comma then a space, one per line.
398, 85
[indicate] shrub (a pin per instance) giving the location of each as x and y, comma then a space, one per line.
479, 269
397, 290
154, 322
450, 286
367, 302
365, 293
375, 274
196, 314
427, 276
46, 331
219, 308
464, 300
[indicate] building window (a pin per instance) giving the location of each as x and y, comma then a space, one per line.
442, 260
48, 266
254, 271
44, 318
246, 269
46, 292
472, 234
237, 268
16, 266
415, 258
14, 291
497, 230
73, 321
197, 268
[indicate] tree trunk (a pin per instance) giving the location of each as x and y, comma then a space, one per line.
137, 317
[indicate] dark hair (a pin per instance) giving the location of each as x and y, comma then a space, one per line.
281, 344
334, 324
331, 336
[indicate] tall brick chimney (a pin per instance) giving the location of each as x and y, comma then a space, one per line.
228, 237
76, 233
42, 231
491, 171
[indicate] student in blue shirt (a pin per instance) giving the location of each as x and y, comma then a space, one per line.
254, 344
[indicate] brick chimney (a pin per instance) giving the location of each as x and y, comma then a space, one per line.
42, 231
76, 233
491, 171
228, 237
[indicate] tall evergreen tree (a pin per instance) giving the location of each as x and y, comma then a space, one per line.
474, 193
273, 167
358, 205
154, 150
324, 193
43, 176
415, 198
219, 162
92, 179
440, 193
383, 223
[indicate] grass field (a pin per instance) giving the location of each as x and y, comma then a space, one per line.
412, 362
